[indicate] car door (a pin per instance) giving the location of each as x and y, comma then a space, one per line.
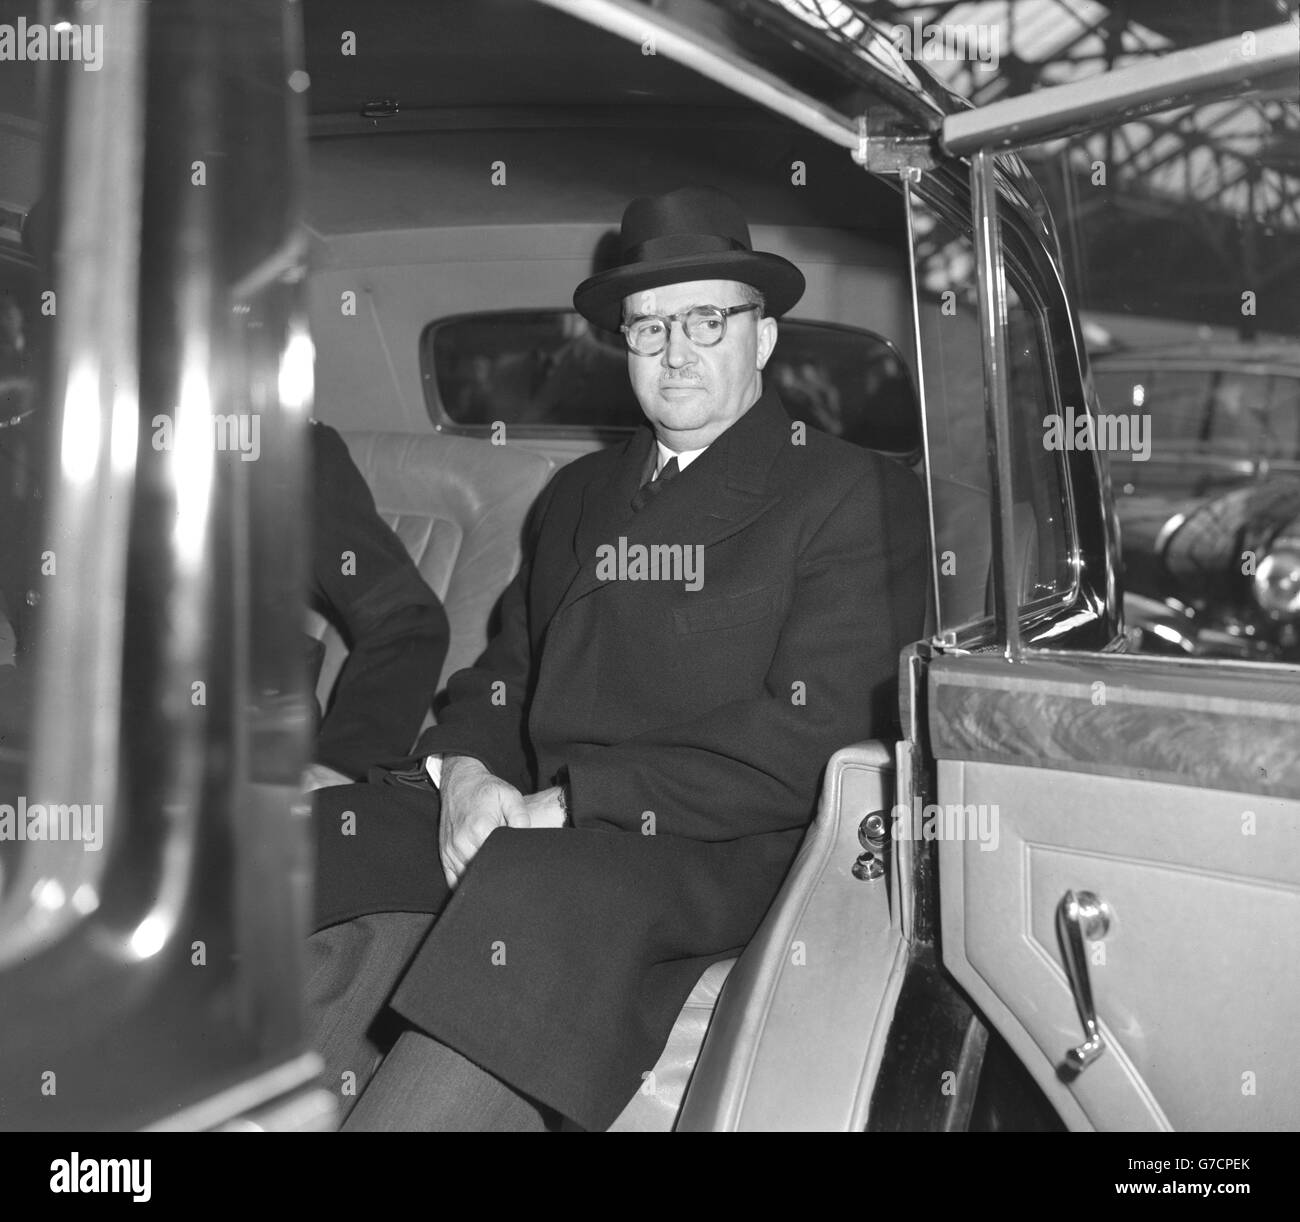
1128, 924
1168, 791
154, 862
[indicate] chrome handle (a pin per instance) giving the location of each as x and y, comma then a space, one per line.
873, 832
1082, 915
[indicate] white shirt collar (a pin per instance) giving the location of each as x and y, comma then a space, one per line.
684, 457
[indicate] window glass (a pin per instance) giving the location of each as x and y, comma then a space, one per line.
1044, 550
1209, 427
1283, 440
1175, 398
549, 370
959, 467
526, 368
1237, 418
1155, 230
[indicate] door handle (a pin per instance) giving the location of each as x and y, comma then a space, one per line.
1080, 915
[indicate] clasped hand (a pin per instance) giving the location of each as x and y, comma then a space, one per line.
475, 803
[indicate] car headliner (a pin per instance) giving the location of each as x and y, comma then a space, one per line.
482, 53
586, 175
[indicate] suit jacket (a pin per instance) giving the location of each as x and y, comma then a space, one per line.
693, 727
392, 622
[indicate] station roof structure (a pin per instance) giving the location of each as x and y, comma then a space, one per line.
1211, 194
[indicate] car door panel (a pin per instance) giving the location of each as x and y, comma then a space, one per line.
799, 1030
1203, 884
1146, 718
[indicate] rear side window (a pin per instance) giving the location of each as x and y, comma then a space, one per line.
550, 373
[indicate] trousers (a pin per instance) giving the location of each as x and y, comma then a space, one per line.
388, 1076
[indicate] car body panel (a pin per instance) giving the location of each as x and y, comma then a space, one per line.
163, 971
1118, 746
1187, 834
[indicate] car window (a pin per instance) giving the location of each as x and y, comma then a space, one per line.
548, 372
1283, 437
1236, 421
1177, 400
1208, 426
953, 377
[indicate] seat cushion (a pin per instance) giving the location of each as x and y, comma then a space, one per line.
458, 504
654, 1107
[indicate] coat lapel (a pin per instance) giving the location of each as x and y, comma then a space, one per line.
720, 493
607, 506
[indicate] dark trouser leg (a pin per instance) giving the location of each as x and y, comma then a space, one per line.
352, 969
425, 1087
376, 853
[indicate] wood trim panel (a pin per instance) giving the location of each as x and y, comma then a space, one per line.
1225, 727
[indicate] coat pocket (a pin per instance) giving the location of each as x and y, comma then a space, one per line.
728, 610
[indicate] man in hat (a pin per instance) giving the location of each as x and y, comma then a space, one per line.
703, 616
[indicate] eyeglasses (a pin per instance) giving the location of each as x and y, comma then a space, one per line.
704, 326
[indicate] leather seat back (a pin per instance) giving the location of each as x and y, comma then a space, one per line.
458, 505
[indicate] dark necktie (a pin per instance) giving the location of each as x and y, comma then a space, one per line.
647, 492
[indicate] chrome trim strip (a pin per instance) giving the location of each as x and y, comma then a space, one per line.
991, 279
908, 177
1196, 75
680, 43
1250, 672
1167, 531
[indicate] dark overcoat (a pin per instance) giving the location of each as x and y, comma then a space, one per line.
693, 726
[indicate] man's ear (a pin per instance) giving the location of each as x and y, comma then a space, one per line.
766, 340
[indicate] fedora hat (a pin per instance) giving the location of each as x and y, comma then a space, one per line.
693, 233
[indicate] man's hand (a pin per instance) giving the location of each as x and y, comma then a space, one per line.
544, 809
474, 804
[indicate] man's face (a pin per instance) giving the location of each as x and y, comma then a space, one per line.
692, 394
